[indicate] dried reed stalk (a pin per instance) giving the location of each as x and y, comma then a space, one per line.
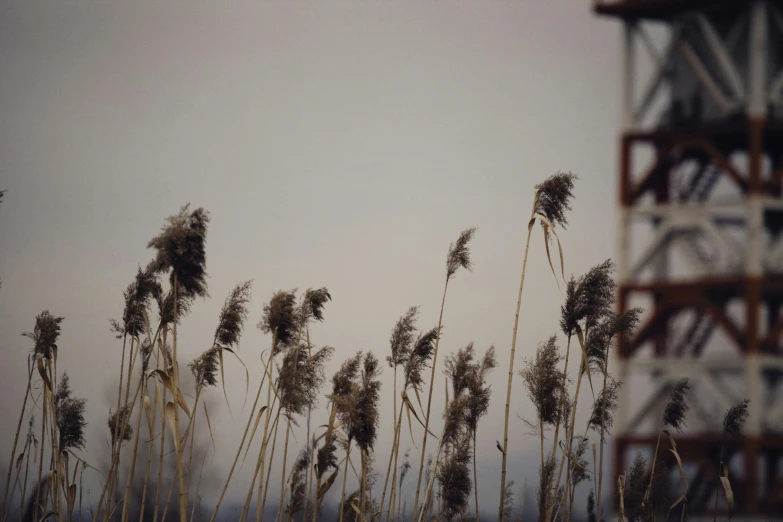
458, 257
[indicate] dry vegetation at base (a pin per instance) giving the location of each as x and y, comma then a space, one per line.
153, 420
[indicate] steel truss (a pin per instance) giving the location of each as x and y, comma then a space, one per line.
701, 167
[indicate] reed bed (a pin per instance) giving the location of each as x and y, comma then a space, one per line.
154, 421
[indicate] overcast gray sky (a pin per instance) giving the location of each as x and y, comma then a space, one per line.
338, 144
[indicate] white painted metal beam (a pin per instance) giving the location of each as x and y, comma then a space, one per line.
722, 56
703, 74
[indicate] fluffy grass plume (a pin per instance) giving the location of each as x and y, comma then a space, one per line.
542, 379
677, 407
117, 419
205, 368
554, 197
300, 377
280, 318
402, 338
70, 416
181, 248
459, 253
458, 256
233, 315
45, 334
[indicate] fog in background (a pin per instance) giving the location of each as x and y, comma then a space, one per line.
337, 144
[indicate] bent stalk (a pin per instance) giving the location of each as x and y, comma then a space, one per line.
511, 365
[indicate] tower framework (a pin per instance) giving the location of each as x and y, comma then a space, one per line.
701, 240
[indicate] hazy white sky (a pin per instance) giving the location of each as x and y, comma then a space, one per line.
338, 144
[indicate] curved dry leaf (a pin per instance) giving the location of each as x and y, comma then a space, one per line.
209, 427
673, 449
621, 494
409, 405
326, 485
46, 516
724, 480
44, 376
549, 255
336, 426
167, 382
75, 469
171, 412
410, 423
19, 460
247, 373
253, 433
418, 398
64, 462
223, 382
159, 396
355, 506
148, 411
559, 246
586, 365
571, 458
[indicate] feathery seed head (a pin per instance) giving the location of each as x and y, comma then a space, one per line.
419, 358
326, 458
543, 381
280, 318
674, 414
205, 367
607, 402
343, 379
401, 339
598, 289
735, 418
233, 315
365, 425
459, 367
70, 416
312, 307
181, 248
116, 421
45, 334
478, 390
554, 198
300, 377
459, 253
454, 476
166, 307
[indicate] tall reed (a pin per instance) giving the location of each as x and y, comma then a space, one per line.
673, 417
417, 361
457, 257
733, 422
401, 343
280, 320
299, 380
551, 200
586, 305
181, 253
543, 380
479, 394
301, 375
11, 461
